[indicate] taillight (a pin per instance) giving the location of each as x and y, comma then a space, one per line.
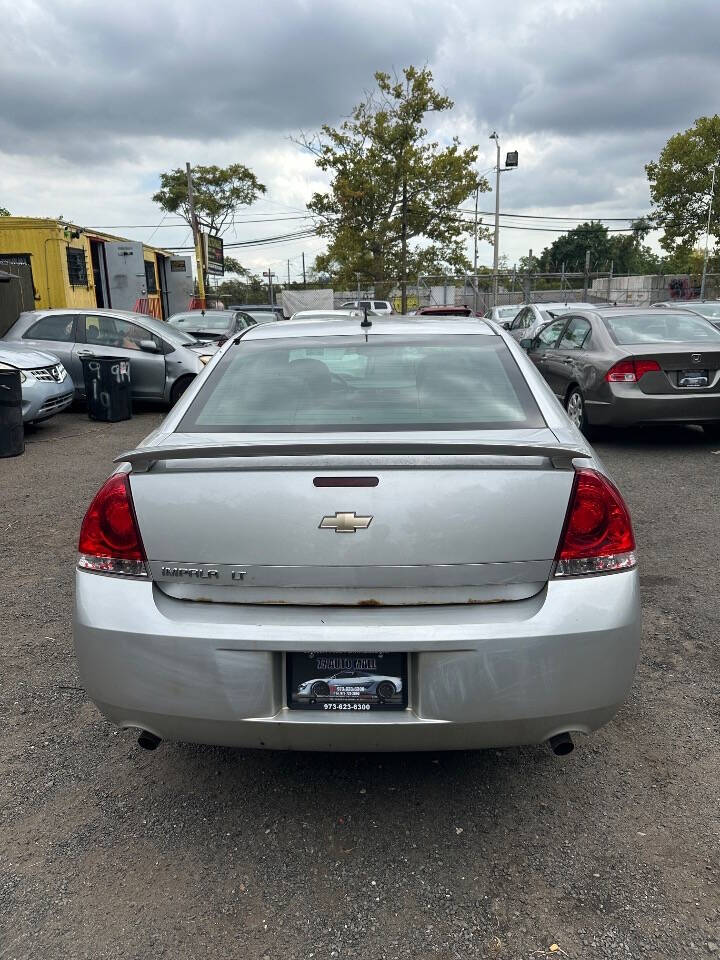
630, 371
598, 535
110, 541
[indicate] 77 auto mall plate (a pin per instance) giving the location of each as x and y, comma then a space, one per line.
349, 682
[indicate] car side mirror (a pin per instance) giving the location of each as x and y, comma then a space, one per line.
527, 343
506, 324
149, 346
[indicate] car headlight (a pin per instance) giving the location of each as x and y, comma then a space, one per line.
9, 366
205, 358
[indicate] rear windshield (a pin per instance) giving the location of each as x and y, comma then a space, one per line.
660, 327
343, 383
200, 321
709, 310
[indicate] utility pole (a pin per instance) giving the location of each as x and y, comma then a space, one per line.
707, 234
586, 278
269, 274
304, 280
288, 273
475, 276
528, 279
199, 259
496, 245
357, 277
403, 248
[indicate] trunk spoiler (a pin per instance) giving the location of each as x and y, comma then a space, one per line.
396, 454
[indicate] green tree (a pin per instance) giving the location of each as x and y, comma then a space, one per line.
570, 248
218, 193
393, 198
4, 212
680, 185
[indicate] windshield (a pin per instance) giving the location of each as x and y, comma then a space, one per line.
660, 327
163, 329
198, 321
709, 310
507, 312
345, 383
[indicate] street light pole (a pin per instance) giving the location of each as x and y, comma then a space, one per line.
475, 255
494, 136
707, 234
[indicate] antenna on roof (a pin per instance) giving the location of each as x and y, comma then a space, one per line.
366, 322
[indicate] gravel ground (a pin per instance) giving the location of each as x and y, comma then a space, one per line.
107, 851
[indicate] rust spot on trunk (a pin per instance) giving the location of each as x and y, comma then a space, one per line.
369, 603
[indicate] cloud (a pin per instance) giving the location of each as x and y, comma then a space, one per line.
98, 99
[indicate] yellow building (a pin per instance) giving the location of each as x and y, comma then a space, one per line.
75, 266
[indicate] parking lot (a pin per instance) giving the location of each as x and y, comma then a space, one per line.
107, 851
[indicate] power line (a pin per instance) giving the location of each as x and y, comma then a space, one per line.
540, 216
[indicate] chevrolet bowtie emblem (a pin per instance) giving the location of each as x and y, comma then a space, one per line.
345, 523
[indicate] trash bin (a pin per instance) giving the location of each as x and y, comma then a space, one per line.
12, 433
107, 387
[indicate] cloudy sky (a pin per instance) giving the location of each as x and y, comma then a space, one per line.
97, 99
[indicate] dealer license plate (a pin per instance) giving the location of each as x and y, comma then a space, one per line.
693, 378
347, 682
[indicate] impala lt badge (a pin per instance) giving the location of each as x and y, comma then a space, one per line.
345, 523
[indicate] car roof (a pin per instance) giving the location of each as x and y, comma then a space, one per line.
386, 326
130, 314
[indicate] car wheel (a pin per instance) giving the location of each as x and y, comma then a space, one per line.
575, 407
385, 690
320, 689
179, 388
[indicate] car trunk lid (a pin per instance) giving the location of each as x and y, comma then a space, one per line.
354, 523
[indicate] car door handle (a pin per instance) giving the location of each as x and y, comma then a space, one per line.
87, 354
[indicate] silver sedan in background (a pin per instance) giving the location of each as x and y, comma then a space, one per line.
46, 386
710, 309
404, 498
532, 316
163, 360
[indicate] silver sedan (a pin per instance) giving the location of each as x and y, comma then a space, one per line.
46, 387
405, 500
163, 360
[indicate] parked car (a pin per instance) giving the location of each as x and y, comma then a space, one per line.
395, 500
212, 325
710, 309
504, 315
446, 311
257, 309
532, 316
46, 387
378, 307
622, 366
163, 360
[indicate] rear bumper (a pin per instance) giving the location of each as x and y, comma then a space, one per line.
478, 676
625, 405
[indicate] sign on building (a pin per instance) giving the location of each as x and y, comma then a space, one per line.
214, 256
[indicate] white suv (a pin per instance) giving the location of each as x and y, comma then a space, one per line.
377, 306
